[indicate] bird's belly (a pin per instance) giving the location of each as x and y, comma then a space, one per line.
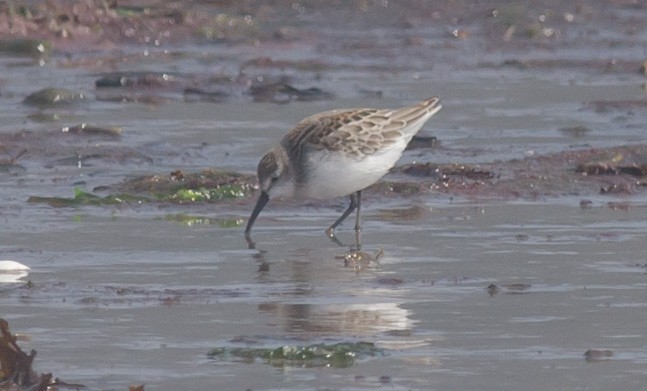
333, 174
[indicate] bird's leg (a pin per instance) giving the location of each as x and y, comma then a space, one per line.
353, 205
358, 227
358, 201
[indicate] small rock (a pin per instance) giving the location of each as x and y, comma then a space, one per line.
597, 355
385, 379
492, 290
586, 204
53, 96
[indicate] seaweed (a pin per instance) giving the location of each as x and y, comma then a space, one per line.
339, 355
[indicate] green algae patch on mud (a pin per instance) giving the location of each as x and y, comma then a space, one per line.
204, 187
179, 187
206, 195
339, 355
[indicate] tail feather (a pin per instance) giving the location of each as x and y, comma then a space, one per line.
413, 113
415, 116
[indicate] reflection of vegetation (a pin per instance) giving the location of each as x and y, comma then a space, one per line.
199, 220
340, 355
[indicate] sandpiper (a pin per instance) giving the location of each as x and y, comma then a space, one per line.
338, 153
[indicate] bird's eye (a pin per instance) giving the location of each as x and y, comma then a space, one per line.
274, 179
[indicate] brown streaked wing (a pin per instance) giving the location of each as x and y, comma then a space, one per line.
357, 131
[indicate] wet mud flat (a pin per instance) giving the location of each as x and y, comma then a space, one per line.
505, 250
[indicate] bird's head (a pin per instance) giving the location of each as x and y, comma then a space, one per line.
275, 180
274, 174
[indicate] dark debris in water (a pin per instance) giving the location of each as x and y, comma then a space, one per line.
84, 129
509, 289
16, 372
54, 97
339, 355
161, 87
136, 80
196, 94
282, 92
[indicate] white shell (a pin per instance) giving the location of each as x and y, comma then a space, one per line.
12, 266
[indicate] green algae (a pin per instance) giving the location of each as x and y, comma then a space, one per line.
206, 195
180, 196
339, 355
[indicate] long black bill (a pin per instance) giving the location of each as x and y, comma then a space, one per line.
260, 204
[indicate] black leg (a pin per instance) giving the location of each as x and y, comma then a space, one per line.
358, 225
354, 203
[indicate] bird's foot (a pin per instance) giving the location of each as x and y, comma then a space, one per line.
250, 243
330, 232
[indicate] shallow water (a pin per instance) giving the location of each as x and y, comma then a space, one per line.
126, 295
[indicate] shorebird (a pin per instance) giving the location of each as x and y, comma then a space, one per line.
338, 153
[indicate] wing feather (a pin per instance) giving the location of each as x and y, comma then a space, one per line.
358, 132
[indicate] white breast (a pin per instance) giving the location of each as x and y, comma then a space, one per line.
334, 174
